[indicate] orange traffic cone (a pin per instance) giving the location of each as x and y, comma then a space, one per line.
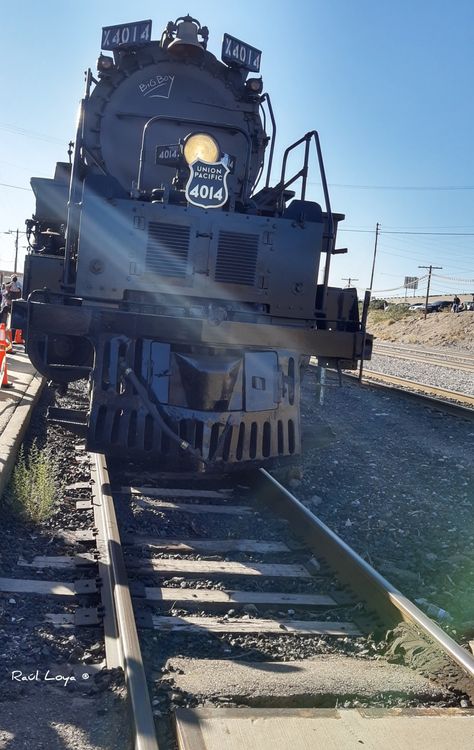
3, 357
3, 336
18, 337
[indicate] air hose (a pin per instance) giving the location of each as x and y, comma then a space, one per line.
155, 411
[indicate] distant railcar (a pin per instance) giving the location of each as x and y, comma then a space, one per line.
188, 296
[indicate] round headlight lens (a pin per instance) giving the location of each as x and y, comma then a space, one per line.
201, 146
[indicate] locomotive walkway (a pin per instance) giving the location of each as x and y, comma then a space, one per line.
16, 406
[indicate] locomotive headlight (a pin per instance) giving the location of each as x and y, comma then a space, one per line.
201, 146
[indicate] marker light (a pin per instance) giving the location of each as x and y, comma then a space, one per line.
255, 85
201, 146
105, 64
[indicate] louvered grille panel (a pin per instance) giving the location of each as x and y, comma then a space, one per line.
167, 249
236, 258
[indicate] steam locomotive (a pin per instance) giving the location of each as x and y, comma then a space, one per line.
160, 271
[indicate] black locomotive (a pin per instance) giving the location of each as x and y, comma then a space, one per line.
160, 271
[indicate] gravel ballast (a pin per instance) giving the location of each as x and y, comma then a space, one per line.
440, 377
394, 479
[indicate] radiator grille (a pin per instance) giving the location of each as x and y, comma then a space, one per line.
236, 258
167, 249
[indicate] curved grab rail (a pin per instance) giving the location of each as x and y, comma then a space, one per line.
207, 124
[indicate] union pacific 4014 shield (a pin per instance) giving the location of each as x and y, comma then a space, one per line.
207, 184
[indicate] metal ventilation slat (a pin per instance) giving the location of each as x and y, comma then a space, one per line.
236, 258
167, 249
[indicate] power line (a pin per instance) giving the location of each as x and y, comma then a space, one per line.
399, 187
352, 186
16, 130
15, 187
436, 234
451, 278
385, 231
437, 226
363, 231
396, 288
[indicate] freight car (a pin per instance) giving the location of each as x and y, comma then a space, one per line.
168, 270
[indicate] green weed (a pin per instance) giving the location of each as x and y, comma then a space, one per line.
34, 485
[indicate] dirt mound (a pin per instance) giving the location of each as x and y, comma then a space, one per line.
444, 329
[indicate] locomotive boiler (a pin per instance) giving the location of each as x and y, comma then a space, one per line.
168, 269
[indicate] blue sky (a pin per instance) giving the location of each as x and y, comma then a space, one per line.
387, 85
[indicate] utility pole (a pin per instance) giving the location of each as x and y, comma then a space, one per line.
367, 301
16, 250
16, 233
349, 281
428, 286
377, 232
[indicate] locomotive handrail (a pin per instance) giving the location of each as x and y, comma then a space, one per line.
75, 185
303, 173
266, 98
73, 212
205, 123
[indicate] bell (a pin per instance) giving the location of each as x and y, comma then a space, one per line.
186, 39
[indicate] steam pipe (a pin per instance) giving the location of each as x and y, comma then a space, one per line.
154, 410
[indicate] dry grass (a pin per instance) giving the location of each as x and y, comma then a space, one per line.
442, 329
391, 314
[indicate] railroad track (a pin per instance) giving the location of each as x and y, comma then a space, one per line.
449, 401
183, 585
179, 566
452, 401
197, 604
453, 360
295, 580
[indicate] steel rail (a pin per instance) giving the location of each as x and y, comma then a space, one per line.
426, 359
113, 650
387, 600
419, 388
387, 347
446, 401
144, 725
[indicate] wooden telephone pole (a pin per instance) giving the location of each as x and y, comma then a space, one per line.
429, 283
368, 295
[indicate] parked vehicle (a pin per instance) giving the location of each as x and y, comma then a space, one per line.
439, 305
436, 306
417, 307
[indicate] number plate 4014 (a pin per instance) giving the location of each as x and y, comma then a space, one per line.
235, 52
138, 32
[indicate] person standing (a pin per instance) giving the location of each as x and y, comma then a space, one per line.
4, 305
12, 291
456, 303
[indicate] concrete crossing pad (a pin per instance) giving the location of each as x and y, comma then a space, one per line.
296, 682
325, 729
